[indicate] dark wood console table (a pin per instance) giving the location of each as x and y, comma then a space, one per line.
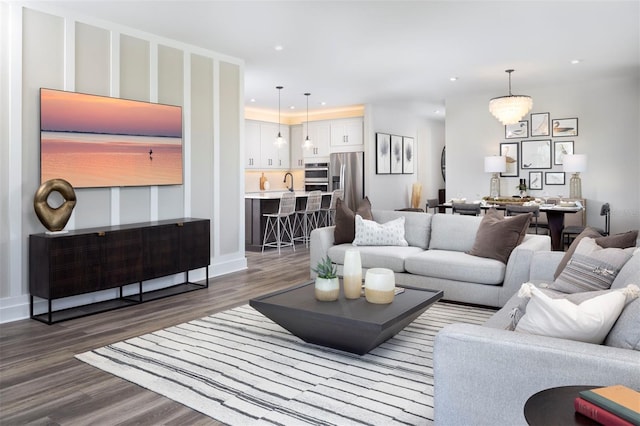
89, 260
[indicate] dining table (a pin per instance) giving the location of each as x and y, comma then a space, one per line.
555, 218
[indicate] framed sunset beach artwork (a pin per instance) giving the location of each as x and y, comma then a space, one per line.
98, 141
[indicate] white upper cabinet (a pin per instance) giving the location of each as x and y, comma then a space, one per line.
260, 149
297, 155
252, 144
320, 135
346, 132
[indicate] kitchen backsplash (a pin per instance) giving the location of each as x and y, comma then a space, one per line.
275, 179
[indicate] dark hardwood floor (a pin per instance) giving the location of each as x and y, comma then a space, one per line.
41, 383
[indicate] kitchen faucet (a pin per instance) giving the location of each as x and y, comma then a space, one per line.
285, 180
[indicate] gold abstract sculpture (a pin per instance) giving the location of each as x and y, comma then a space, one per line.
54, 219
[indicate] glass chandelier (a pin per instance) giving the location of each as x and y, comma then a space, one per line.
510, 109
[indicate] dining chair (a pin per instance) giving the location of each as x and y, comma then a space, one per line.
514, 210
279, 226
569, 233
469, 209
432, 203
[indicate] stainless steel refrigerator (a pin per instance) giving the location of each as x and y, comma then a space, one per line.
346, 171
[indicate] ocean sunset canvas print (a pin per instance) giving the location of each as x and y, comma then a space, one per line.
98, 141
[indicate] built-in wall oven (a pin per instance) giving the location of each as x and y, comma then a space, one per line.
316, 177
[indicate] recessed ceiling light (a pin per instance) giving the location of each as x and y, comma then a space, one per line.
278, 47
453, 78
252, 100
323, 103
292, 107
576, 61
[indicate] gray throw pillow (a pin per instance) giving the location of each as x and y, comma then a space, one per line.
624, 240
591, 267
626, 332
497, 236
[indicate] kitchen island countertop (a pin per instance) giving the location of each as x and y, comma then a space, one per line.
274, 195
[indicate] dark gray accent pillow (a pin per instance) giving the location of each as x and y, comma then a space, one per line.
345, 230
624, 240
497, 236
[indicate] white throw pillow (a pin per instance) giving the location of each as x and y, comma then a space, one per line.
590, 321
371, 233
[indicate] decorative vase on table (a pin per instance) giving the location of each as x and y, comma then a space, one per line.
327, 285
352, 274
379, 285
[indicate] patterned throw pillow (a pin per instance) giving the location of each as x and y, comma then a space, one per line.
370, 233
591, 267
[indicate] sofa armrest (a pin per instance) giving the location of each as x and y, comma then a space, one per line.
544, 265
320, 241
484, 375
519, 264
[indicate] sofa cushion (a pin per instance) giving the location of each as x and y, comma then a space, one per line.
623, 240
626, 332
453, 232
376, 256
497, 236
591, 267
630, 272
589, 321
345, 230
417, 226
371, 233
456, 266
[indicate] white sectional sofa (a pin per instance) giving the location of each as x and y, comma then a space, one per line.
483, 375
436, 257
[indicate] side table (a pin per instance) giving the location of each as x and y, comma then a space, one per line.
554, 406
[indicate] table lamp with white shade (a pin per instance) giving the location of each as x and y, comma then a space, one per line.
495, 164
575, 163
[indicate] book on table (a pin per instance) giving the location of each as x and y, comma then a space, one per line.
620, 400
598, 414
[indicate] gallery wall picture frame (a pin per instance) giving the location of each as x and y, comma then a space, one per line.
554, 178
536, 154
564, 127
540, 124
517, 130
535, 180
383, 153
560, 149
408, 155
396, 154
510, 150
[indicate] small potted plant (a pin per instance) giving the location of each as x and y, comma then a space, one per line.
327, 288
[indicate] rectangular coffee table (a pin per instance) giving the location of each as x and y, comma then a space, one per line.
355, 326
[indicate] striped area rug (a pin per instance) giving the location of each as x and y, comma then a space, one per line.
240, 368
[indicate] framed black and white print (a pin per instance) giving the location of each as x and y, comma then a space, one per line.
535, 180
554, 178
408, 155
540, 124
510, 151
518, 130
564, 127
536, 154
560, 149
396, 154
383, 153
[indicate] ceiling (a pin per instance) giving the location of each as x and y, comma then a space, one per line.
359, 52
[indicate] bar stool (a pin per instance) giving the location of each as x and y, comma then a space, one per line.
328, 215
308, 219
279, 225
